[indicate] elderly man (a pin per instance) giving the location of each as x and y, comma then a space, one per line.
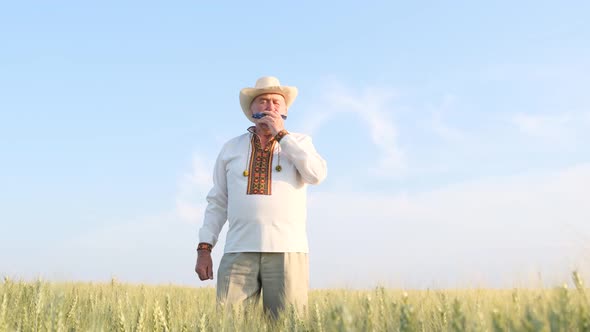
259, 185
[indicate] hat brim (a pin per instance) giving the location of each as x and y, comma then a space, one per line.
247, 95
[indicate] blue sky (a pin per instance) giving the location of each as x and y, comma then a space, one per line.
455, 134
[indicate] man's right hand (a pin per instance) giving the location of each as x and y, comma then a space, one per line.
204, 267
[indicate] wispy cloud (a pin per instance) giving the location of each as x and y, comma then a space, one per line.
555, 126
438, 122
566, 129
374, 109
193, 188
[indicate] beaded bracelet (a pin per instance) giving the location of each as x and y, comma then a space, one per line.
280, 135
204, 246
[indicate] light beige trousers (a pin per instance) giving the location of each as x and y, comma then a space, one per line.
282, 278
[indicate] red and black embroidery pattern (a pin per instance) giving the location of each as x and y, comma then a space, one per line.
260, 167
281, 134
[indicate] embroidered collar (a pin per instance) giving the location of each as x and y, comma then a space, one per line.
256, 138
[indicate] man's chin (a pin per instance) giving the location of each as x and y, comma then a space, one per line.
263, 128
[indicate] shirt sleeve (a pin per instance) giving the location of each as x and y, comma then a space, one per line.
300, 151
216, 211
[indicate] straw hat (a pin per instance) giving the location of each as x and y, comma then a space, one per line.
266, 84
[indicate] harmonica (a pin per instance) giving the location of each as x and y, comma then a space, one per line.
262, 115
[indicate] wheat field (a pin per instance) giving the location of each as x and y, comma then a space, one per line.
114, 306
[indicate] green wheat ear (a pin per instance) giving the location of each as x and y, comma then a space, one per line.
578, 282
140, 323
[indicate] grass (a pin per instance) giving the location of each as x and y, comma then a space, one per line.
48, 306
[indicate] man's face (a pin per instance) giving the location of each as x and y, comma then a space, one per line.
269, 102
